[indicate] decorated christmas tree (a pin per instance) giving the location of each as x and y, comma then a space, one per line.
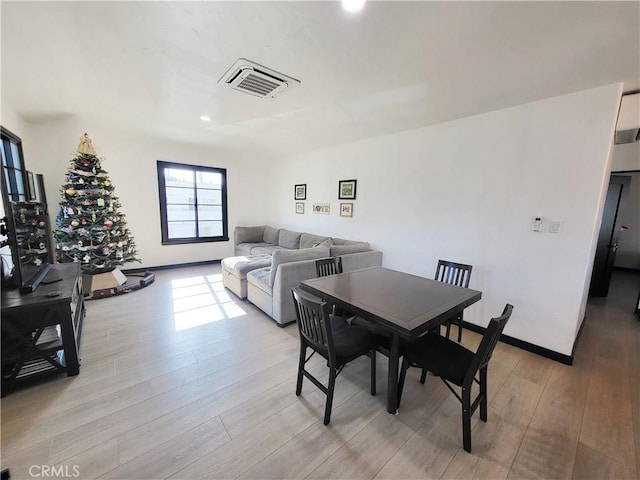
90, 229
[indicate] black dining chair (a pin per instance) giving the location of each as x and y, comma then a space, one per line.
331, 337
456, 365
331, 266
457, 274
328, 266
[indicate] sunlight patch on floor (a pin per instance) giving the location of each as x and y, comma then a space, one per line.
201, 300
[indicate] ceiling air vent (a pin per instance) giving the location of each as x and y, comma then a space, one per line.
628, 126
254, 79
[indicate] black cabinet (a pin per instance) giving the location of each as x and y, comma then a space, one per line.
41, 331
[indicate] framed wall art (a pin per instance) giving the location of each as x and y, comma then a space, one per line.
322, 208
300, 192
299, 207
346, 209
347, 189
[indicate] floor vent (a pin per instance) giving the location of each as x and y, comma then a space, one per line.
254, 79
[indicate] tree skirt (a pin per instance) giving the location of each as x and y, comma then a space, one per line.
129, 285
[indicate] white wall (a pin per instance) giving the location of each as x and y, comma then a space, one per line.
131, 163
467, 191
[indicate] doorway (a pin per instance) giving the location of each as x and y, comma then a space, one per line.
609, 235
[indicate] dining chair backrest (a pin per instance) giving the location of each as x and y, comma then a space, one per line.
328, 266
453, 273
317, 331
313, 322
489, 342
456, 365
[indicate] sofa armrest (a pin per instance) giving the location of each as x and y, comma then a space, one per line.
248, 234
290, 274
357, 261
288, 277
281, 257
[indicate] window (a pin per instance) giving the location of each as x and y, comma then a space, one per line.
13, 167
193, 203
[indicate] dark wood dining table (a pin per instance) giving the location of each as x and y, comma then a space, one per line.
405, 305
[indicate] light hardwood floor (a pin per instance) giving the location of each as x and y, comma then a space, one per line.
163, 394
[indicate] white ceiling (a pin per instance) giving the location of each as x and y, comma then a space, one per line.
152, 67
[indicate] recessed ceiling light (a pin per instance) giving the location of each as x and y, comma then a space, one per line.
204, 118
353, 6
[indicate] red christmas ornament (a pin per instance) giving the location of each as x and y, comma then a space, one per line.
108, 223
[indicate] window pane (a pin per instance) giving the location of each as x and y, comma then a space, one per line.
17, 161
19, 182
210, 229
8, 183
178, 177
180, 195
4, 158
181, 212
209, 213
209, 197
182, 229
209, 179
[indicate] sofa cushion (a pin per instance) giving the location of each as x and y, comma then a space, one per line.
249, 234
289, 239
286, 256
264, 249
308, 240
271, 235
357, 247
260, 279
247, 248
242, 265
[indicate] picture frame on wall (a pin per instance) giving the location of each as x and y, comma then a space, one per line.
299, 207
300, 191
346, 209
347, 189
322, 208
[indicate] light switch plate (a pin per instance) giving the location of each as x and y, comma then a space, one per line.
555, 225
537, 225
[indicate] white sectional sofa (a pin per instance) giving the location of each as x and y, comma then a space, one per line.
291, 257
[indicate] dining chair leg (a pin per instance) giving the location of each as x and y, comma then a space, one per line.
330, 388
466, 418
459, 322
423, 375
483, 393
373, 371
303, 353
448, 329
403, 375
